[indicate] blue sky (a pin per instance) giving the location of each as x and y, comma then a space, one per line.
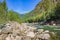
22, 6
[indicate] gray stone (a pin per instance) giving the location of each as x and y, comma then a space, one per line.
27, 38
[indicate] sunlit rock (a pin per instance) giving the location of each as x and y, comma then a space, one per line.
40, 35
54, 24
46, 31
27, 38
40, 30
30, 34
12, 36
18, 37
0, 31
7, 25
8, 38
6, 30
46, 36
53, 33
3, 36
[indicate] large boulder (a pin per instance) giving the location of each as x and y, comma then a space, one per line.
31, 34
46, 35
3, 36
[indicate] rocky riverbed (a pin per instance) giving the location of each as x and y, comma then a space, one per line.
15, 31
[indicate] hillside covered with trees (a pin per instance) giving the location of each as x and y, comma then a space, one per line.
8, 15
45, 10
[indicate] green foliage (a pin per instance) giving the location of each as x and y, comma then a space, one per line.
3, 12
6, 15
13, 16
46, 9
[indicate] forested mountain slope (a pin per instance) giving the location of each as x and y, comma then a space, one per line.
45, 10
3, 11
8, 15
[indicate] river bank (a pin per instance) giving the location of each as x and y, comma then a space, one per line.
15, 31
